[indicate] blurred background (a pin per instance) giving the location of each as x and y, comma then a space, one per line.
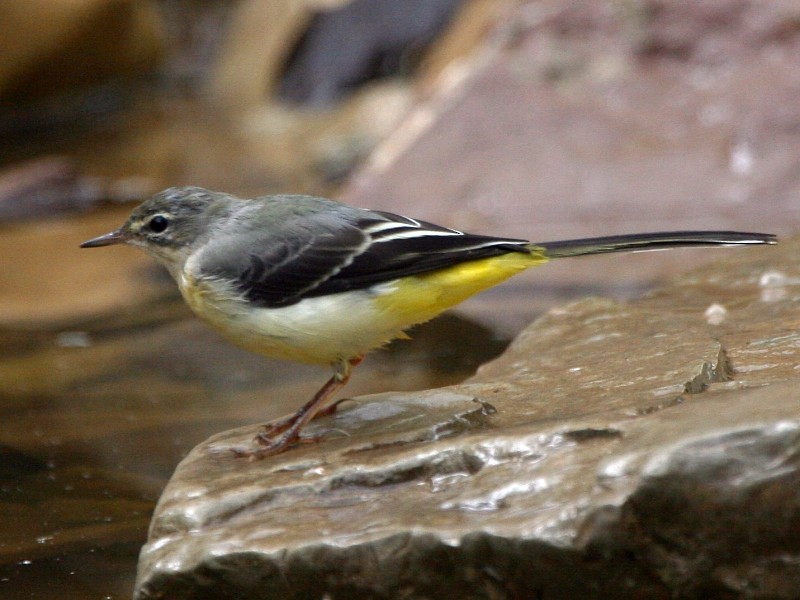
538, 119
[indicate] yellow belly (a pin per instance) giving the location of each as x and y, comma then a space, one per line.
337, 327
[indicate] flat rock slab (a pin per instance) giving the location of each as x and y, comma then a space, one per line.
649, 449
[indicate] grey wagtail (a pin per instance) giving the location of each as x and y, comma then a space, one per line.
316, 281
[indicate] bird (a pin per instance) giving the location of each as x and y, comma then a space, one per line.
316, 281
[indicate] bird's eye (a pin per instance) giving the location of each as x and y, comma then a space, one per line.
158, 224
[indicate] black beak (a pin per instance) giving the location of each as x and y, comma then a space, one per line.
108, 239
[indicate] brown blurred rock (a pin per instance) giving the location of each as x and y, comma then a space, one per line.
312, 150
586, 462
46, 185
577, 120
262, 34
54, 184
49, 47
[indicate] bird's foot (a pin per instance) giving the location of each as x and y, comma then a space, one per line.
278, 436
275, 428
271, 446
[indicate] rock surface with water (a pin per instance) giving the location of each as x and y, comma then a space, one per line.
649, 449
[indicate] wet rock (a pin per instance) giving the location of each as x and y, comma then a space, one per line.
576, 465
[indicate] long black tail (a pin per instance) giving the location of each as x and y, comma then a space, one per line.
653, 241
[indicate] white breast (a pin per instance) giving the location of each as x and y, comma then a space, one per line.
321, 330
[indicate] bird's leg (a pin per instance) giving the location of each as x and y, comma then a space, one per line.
288, 428
342, 375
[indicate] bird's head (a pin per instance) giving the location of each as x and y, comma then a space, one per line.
169, 226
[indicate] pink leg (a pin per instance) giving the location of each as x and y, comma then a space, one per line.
288, 428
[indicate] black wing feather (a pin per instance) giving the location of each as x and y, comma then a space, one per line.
296, 266
390, 255
320, 256
403, 257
